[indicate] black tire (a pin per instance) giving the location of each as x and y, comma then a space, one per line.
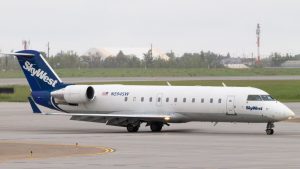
270, 131
156, 126
132, 129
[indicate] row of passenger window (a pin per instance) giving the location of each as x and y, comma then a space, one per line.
184, 100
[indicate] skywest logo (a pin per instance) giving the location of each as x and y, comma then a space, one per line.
39, 73
253, 108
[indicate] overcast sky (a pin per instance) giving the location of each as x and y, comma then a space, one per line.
180, 25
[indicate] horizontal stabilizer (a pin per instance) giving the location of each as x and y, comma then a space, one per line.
34, 107
18, 54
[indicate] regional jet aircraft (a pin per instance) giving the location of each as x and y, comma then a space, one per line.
130, 106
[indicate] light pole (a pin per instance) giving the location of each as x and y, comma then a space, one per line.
258, 44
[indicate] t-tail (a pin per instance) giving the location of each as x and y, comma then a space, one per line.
38, 72
40, 76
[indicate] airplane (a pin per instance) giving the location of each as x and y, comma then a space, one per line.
131, 105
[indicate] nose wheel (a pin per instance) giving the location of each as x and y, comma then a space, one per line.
269, 129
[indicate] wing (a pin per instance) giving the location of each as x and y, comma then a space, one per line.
122, 118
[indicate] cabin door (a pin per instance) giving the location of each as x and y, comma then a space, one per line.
230, 106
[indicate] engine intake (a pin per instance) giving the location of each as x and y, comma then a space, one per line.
74, 94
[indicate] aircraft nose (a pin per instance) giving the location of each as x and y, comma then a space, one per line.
282, 112
288, 113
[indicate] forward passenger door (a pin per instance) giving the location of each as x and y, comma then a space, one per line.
230, 105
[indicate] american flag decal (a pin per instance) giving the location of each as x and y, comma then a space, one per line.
104, 93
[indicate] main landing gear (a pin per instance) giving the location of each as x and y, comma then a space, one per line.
156, 126
132, 128
269, 129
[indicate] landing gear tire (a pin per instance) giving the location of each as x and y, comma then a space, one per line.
132, 129
156, 126
269, 129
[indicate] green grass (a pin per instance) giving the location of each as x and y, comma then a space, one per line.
139, 72
283, 90
20, 95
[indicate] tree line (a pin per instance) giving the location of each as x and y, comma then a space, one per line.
71, 59
277, 59
202, 59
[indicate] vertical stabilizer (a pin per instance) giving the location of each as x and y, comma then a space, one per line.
38, 72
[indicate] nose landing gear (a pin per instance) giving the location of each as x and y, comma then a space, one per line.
269, 129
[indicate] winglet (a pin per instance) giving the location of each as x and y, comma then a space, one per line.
34, 107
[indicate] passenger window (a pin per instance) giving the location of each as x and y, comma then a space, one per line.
184, 100
142, 99
158, 99
202, 100
193, 100
220, 100
150, 99
126, 98
211, 100
175, 100
254, 98
167, 99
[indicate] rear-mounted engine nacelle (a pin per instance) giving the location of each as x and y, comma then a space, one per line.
74, 94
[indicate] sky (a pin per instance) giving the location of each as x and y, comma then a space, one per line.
219, 26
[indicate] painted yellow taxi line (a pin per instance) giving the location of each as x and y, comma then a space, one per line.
102, 150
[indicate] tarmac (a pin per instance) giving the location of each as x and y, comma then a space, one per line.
181, 146
30, 150
22, 81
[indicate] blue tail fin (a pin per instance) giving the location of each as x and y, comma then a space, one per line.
38, 72
34, 107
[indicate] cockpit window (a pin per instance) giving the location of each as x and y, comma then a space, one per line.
267, 98
254, 98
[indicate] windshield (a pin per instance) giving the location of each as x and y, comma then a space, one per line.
254, 98
267, 98
260, 98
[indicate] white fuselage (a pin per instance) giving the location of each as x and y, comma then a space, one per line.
185, 103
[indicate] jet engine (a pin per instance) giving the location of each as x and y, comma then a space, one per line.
74, 94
